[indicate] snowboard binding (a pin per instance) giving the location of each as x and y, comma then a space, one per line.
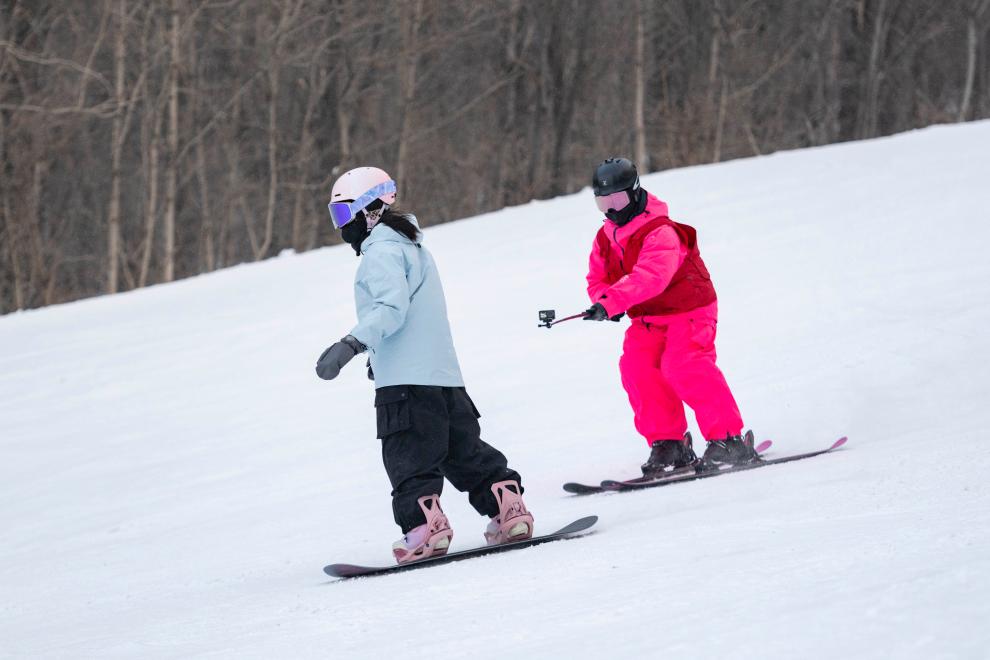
430, 539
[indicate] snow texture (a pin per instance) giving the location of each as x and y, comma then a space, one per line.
173, 475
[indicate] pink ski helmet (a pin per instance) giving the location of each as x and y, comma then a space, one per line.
355, 190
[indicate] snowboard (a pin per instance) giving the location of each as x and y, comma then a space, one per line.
694, 473
352, 571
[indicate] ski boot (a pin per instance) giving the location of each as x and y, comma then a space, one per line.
734, 450
668, 455
430, 539
513, 522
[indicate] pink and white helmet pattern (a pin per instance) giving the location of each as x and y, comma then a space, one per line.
355, 190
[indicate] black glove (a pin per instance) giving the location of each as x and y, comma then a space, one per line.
595, 313
334, 358
617, 317
371, 373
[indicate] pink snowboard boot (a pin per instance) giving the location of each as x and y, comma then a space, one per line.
513, 522
430, 539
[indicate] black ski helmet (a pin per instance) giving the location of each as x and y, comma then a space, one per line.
615, 174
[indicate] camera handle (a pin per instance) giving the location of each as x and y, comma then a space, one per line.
547, 318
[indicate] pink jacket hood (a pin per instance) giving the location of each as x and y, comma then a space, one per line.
618, 236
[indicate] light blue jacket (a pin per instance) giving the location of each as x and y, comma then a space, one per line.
402, 313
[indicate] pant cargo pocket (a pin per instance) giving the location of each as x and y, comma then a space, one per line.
392, 410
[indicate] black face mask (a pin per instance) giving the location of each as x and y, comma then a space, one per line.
629, 211
354, 233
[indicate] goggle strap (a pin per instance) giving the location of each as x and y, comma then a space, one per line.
383, 188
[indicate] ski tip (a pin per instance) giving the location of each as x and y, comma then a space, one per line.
342, 570
838, 443
578, 525
581, 489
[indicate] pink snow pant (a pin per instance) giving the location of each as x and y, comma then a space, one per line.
668, 361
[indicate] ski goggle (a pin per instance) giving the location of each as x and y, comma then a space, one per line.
614, 202
343, 212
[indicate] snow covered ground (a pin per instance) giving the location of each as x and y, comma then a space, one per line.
173, 476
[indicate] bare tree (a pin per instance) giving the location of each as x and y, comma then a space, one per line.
245, 112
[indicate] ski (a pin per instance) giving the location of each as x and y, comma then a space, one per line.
701, 473
352, 571
609, 485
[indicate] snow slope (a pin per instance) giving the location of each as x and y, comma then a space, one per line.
173, 476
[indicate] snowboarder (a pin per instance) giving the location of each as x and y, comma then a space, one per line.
427, 423
647, 266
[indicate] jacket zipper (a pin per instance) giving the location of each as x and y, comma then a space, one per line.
622, 250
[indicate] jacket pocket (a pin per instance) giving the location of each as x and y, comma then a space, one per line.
392, 410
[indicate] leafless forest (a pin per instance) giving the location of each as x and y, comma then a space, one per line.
147, 140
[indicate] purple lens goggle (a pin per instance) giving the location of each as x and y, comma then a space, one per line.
614, 202
343, 212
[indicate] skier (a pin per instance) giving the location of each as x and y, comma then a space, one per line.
427, 423
647, 266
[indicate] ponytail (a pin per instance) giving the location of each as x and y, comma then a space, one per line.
402, 223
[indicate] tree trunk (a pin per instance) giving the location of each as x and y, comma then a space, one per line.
507, 124
345, 119
11, 241
720, 121
318, 83
208, 248
15, 263
38, 263
94, 51
232, 154
714, 54
266, 243
233, 186
303, 160
407, 70
641, 155
569, 70
971, 43
151, 210
833, 90
870, 104
172, 170
116, 149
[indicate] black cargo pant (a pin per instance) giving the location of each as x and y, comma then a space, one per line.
428, 433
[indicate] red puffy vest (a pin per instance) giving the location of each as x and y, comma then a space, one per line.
690, 287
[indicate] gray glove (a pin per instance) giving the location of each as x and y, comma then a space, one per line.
334, 358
